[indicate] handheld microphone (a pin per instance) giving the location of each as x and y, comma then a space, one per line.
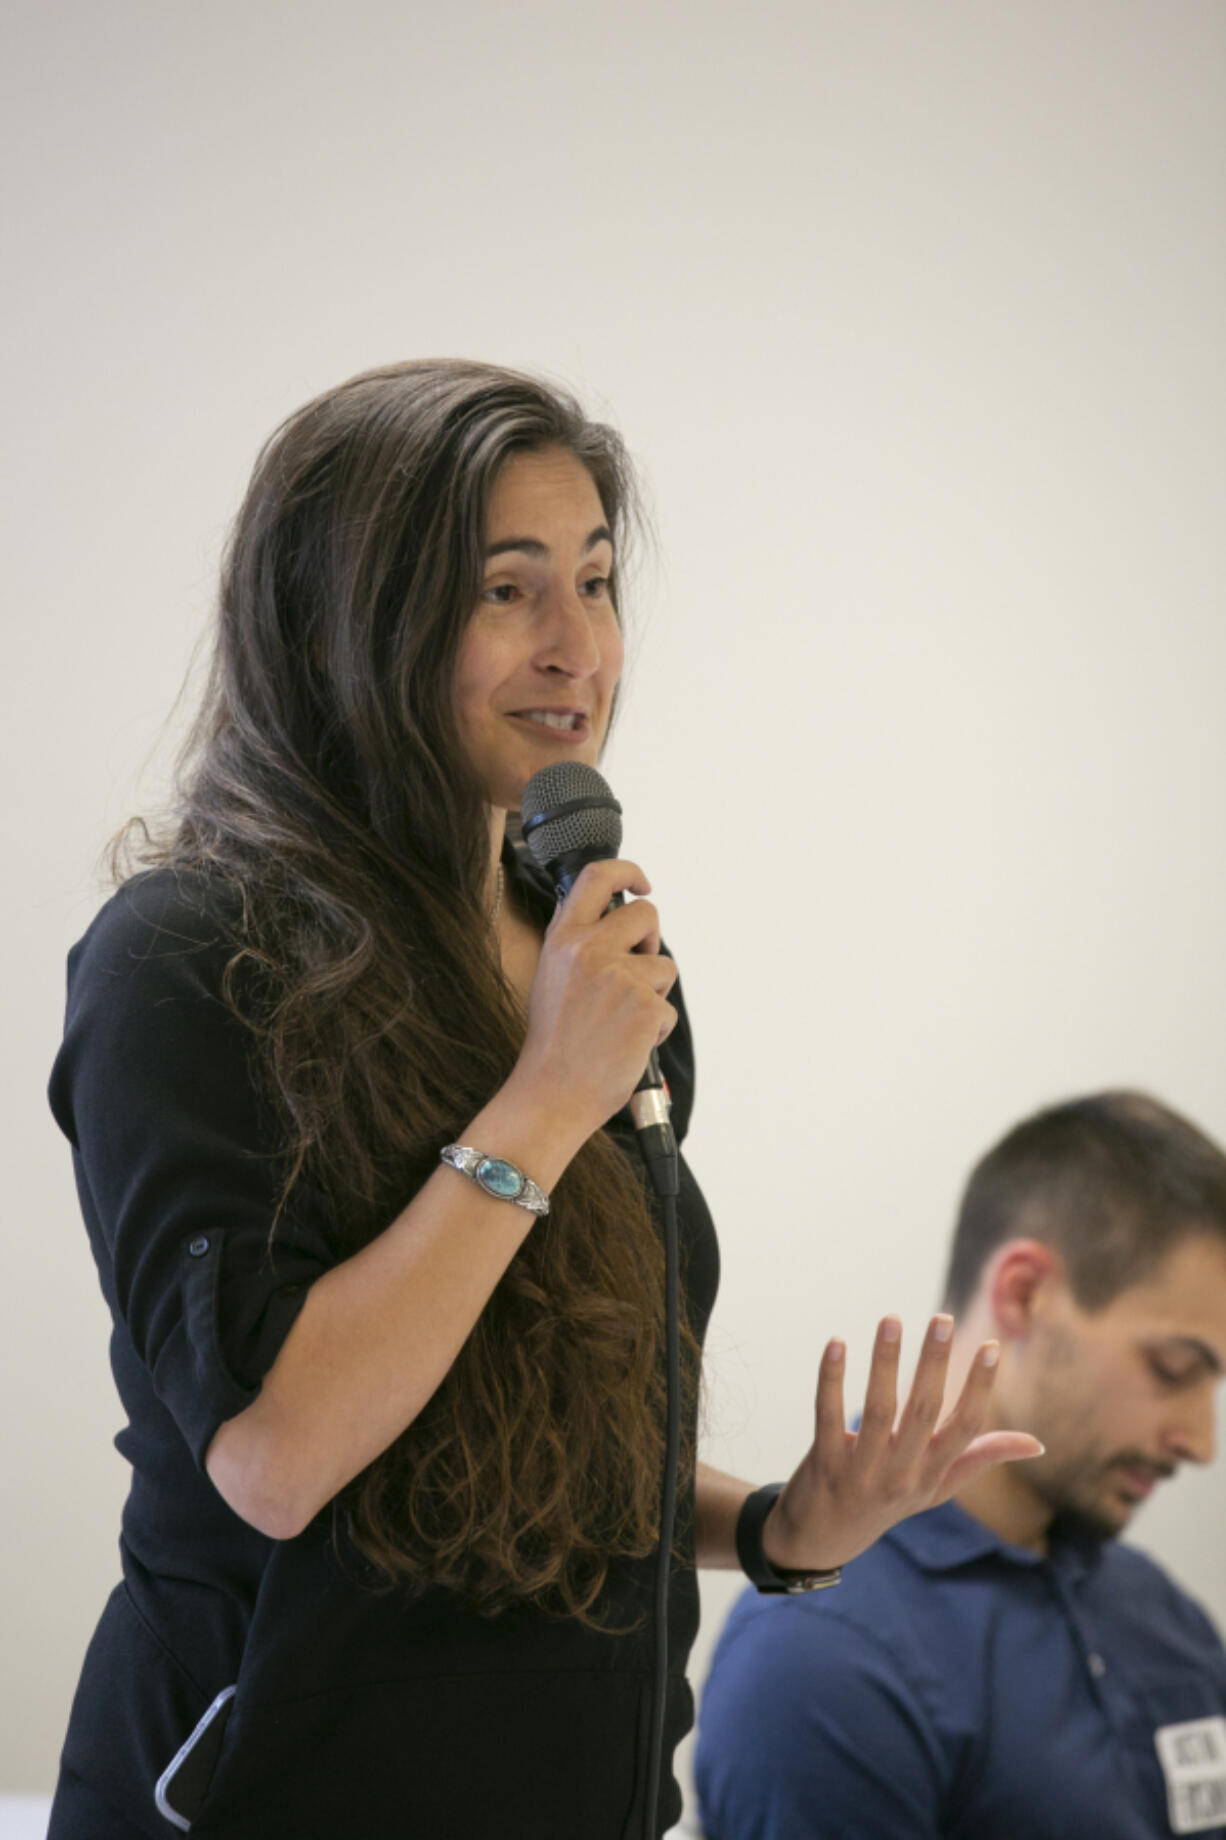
570, 818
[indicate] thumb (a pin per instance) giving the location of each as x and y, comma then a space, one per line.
982, 1452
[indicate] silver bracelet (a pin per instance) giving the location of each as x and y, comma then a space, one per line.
504, 1181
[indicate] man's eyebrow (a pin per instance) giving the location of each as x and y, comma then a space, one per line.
540, 552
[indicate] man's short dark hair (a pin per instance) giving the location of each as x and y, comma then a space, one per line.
1112, 1182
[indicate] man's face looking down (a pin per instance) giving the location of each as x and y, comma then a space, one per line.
1120, 1395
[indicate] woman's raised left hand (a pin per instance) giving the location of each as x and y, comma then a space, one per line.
853, 1485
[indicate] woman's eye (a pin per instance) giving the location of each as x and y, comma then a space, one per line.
596, 586
502, 593
1169, 1374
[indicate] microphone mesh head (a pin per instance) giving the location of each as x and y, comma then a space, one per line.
597, 827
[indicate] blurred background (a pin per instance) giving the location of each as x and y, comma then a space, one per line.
915, 317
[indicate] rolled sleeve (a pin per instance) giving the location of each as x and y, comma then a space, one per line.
177, 1158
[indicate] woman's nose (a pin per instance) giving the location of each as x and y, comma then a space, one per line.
568, 643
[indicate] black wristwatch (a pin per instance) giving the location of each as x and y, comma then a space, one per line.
754, 1562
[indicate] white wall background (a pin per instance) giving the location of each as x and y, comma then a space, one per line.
916, 316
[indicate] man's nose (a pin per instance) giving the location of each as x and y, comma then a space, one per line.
1192, 1434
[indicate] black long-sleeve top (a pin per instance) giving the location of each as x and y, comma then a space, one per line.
312, 1703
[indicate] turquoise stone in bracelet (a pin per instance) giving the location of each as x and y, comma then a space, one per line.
496, 1176
500, 1178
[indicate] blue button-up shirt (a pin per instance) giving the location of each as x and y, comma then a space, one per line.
956, 1685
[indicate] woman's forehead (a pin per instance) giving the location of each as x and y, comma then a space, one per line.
547, 487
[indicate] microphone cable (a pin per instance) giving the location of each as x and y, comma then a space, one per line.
668, 1503
570, 818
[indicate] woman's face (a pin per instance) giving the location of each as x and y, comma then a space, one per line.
540, 659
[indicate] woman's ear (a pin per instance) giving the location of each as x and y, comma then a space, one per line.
1019, 1283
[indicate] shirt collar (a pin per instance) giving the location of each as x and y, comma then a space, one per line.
942, 1539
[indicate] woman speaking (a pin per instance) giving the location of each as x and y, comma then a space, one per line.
346, 1092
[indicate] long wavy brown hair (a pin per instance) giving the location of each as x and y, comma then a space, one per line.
325, 787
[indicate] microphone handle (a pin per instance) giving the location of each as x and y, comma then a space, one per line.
650, 1107
649, 1103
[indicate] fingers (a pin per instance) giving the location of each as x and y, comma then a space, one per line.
923, 1408
595, 938
881, 1395
596, 886
887, 1474
615, 947
635, 928
830, 1423
971, 1407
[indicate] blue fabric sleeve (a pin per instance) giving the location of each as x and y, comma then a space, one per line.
808, 1731
177, 1160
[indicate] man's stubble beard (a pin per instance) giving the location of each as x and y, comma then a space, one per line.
1072, 1478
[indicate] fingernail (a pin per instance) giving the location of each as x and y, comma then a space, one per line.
942, 1328
891, 1329
989, 1354
835, 1352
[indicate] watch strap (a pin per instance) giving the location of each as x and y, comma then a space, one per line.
752, 1556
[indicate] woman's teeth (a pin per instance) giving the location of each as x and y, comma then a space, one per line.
550, 718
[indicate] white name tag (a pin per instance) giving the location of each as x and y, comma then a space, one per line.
1193, 1759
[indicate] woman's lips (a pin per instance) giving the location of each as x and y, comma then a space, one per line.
573, 736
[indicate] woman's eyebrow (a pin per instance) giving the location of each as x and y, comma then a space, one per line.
540, 552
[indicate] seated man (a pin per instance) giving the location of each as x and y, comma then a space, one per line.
1000, 1668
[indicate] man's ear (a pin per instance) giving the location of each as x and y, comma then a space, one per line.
1020, 1280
